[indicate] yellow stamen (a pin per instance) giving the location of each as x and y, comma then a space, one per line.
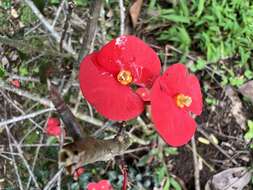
183, 100
124, 77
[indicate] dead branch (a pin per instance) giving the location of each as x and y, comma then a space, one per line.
90, 33
49, 27
72, 126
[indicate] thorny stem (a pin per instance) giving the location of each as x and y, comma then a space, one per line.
72, 126
90, 33
66, 24
24, 46
49, 27
23, 117
46, 102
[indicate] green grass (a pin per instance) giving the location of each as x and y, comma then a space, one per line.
216, 29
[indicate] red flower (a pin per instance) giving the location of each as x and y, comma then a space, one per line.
53, 127
15, 83
101, 185
78, 173
107, 77
173, 96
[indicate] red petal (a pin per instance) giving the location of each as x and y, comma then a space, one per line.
194, 92
174, 125
144, 93
93, 186
131, 53
105, 185
52, 122
176, 79
15, 83
106, 94
78, 172
53, 127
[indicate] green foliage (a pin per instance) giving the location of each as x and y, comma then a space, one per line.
174, 184
5, 4
218, 29
249, 134
27, 16
23, 71
211, 101
40, 4
170, 151
81, 2
2, 72
56, 2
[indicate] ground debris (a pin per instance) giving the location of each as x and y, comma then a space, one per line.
230, 179
247, 90
236, 107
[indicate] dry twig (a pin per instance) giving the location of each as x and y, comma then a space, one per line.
122, 16
196, 164
49, 27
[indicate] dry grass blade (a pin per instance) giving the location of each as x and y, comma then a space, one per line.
134, 11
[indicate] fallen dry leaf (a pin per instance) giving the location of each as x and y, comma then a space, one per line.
135, 10
236, 107
247, 90
14, 13
230, 179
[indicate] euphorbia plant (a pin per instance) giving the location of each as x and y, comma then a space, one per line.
101, 185
124, 75
53, 127
174, 96
78, 172
111, 78
16, 83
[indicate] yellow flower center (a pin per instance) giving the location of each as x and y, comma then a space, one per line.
183, 100
124, 77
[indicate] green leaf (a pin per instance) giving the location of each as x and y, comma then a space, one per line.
167, 185
151, 4
81, 2
201, 4
224, 80
237, 81
32, 138
211, 101
244, 55
184, 7
176, 18
56, 2
40, 4
184, 36
52, 140
200, 64
249, 134
170, 151
143, 161
74, 186
27, 15
23, 71
248, 74
2, 72
160, 172
6, 4
175, 184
